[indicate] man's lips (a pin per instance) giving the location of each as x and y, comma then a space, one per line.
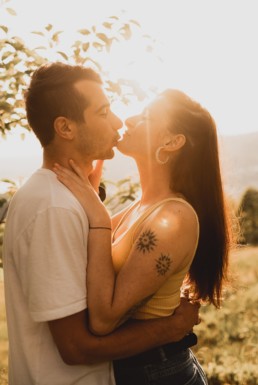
120, 137
116, 140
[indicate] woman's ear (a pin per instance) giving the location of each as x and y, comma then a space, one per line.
175, 143
64, 128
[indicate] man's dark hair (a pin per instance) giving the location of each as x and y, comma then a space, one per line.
51, 93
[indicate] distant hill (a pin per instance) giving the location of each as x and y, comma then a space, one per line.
239, 161
239, 155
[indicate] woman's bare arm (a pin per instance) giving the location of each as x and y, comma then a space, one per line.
170, 238
163, 244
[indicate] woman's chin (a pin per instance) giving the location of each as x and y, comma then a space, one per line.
121, 146
126, 147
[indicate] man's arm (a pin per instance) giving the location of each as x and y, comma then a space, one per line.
78, 346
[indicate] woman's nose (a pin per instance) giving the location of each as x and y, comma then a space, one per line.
131, 121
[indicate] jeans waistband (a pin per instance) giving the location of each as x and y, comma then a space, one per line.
160, 354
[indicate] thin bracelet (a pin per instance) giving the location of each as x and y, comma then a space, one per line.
100, 228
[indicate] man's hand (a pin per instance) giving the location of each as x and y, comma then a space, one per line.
188, 313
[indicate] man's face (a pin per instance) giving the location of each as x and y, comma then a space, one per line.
98, 134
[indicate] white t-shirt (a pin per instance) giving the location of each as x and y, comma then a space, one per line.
45, 260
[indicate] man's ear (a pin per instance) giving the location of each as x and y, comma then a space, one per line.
64, 128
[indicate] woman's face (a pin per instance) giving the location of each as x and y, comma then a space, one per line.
147, 131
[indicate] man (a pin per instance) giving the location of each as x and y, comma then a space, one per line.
45, 245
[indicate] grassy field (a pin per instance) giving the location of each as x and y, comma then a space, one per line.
228, 338
3, 336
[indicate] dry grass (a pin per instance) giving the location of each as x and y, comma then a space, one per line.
228, 338
3, 337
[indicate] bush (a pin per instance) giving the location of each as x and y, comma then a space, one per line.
228, 338
248, 213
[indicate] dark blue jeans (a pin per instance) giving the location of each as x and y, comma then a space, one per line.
180, 369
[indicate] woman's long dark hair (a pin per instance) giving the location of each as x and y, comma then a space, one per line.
196, 175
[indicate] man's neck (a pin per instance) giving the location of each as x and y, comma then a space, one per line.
49, 159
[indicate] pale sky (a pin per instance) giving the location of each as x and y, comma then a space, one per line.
208, 49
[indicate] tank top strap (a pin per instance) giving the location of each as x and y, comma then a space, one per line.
124, 216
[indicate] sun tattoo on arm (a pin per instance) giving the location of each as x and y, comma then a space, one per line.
147, 241
163, 264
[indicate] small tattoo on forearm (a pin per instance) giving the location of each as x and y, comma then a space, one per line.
136, 307
147, 241
163, 264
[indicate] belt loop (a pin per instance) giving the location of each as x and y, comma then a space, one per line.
162, 354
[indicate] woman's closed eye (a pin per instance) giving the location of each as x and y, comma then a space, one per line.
145, 117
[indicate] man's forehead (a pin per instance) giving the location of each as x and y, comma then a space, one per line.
92, 91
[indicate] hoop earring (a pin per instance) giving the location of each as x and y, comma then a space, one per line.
157, 153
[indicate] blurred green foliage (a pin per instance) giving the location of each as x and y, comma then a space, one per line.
248, 214
18, 61
228, 337
121, 193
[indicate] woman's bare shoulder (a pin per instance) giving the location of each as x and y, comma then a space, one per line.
175, 213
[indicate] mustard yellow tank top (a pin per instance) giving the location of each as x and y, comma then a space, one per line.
167, 298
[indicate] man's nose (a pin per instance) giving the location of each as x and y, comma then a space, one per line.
117, 122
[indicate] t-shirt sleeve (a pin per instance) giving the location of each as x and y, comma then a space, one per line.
55, 279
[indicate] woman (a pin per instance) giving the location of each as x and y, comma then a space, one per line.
176, 234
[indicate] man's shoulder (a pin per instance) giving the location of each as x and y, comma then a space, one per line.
43, 192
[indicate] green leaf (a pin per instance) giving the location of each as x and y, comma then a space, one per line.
5, 106
18, 44
97, 45
63, 55
107, 25
77, 51
5, 180
49, 27
40, 47
4, 28
115, 87
38, 33
76, 44
19, 103
6, 55
11, 11
135, 22
103, 37
84, 31
85, 46
56, 35
94, 62
126, 31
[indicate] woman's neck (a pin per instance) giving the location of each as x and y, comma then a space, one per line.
155, 183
